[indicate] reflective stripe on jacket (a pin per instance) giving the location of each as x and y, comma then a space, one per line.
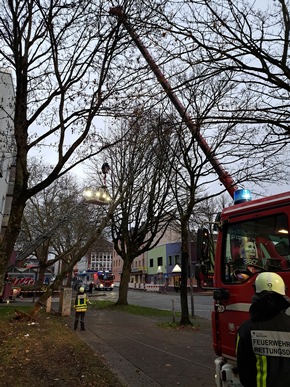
81, 303
263, 343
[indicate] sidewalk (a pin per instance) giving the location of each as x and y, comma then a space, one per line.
140, 353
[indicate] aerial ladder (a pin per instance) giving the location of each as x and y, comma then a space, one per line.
265, 222
223, 175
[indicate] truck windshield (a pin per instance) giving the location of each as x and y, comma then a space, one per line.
106, 277
255, 245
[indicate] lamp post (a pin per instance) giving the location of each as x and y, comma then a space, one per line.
99, 196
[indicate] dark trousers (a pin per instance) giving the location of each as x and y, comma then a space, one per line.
80, 316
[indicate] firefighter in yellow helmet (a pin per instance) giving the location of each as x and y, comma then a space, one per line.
81, 306
263, 342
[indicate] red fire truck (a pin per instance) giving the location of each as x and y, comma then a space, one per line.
104, 280
253, 237
101, 280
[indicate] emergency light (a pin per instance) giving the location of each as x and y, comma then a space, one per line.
242, 195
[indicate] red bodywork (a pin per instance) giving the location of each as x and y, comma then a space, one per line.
103, 280
232, 299
230, 312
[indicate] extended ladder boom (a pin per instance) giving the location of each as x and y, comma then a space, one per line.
224, 176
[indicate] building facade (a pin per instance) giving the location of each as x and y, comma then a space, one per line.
7, 147
100, 256
157, 265
161, 261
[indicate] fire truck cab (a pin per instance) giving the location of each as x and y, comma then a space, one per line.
104, 280
253, 236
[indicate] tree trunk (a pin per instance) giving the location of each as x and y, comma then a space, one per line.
125, 277
183, 285
10, 237
69, 278
19, 196
41, 302
40, 276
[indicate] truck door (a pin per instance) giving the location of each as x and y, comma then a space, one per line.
247, 245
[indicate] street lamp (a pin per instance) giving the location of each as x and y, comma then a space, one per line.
176, 269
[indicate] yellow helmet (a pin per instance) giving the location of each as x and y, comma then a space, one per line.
82, 289
270, 282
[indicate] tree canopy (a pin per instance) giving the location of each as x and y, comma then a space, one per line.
73, 62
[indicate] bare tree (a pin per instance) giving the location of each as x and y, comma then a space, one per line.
69, 258
253, 41
68, 227
63, 55
203, 93
205, 89
139, 180
248, 41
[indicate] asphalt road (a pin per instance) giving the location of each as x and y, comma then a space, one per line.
202, 304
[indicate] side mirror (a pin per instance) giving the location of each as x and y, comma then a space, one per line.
282, 248
202, 245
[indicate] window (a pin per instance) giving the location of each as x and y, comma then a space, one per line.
255, 245
159, 261
177, 259
151, 262
169, 260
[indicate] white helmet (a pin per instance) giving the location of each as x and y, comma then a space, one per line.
82, 289
270, 282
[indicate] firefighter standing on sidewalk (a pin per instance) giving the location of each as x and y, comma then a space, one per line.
81, 306
263, 342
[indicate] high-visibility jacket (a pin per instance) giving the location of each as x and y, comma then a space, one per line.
263, 344
81, 302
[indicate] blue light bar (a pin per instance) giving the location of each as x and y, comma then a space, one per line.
242, 195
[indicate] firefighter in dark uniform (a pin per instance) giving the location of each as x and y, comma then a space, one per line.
81, 306
263, 342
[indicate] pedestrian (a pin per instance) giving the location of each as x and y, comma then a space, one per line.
81, 306
91, 286
263, 342
177, 285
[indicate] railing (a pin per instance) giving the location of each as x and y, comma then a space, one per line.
152, 288
146, 287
